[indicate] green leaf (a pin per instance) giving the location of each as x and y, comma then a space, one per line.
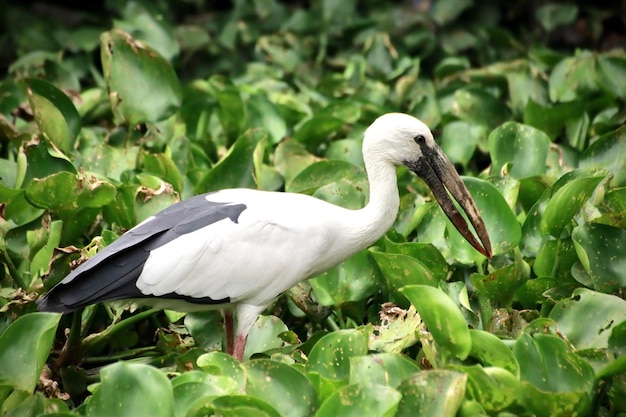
316, 129
142, 85
379, 58
489, 350
547, 363
291, 158
617, 346
400, 270
261, 113
553, 15
451, 65
600, 249
480, 107
551, 404
149, 27
24, 348
613, 368
502, 226
429, 109
425, 253
264, 335
281, 385
235, 169
599, 312
347, 110
130, 389
348, 150
608, 152
436, 392
193, 389
382, 368
236, 406
353, 280
443, 320
330, 356
54, 112
109, 161
359, 400
573, 78
460, 139
19, 405
566, 202
520, 149
322, 173
40, 264
447, 11
9, 174
231, 108
499, 286
533, 291
162, 165
18, 209
525, 87
555, 259
533, 237
472, 408
612, 69
221, 364
552, 119
43, 161
344, 193
206, 329
153, 196
66, 194
494, 388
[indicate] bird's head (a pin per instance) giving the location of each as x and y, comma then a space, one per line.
404, 140
394, 137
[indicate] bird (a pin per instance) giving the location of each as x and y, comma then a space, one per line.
237, 250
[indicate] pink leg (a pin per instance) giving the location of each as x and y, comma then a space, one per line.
240, 346
246, 316
230, 332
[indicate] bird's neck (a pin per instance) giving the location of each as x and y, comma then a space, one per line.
372, 221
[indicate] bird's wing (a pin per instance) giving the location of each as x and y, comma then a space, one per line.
252, 260
112, 273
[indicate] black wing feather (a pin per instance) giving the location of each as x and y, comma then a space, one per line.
112, 273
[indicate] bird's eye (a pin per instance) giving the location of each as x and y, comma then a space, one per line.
419, 139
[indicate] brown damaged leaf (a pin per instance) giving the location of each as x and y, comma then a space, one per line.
398, 329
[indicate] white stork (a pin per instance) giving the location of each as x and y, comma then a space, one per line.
238, 249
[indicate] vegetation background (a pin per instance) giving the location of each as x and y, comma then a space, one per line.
114, 110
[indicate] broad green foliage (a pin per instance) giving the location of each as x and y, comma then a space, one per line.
106, 120
21, 367
130, 384
141, 85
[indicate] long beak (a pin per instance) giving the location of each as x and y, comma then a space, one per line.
440, 175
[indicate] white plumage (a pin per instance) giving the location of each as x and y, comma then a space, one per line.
239, 248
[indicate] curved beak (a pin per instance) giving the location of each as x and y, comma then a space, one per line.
440, 175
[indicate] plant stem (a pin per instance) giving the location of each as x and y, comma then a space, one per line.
71, 348
127, 354
556, 259
94, 340
13, 273
331, 323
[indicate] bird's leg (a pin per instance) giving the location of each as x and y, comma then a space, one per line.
240, 346
229, 326
246, 316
